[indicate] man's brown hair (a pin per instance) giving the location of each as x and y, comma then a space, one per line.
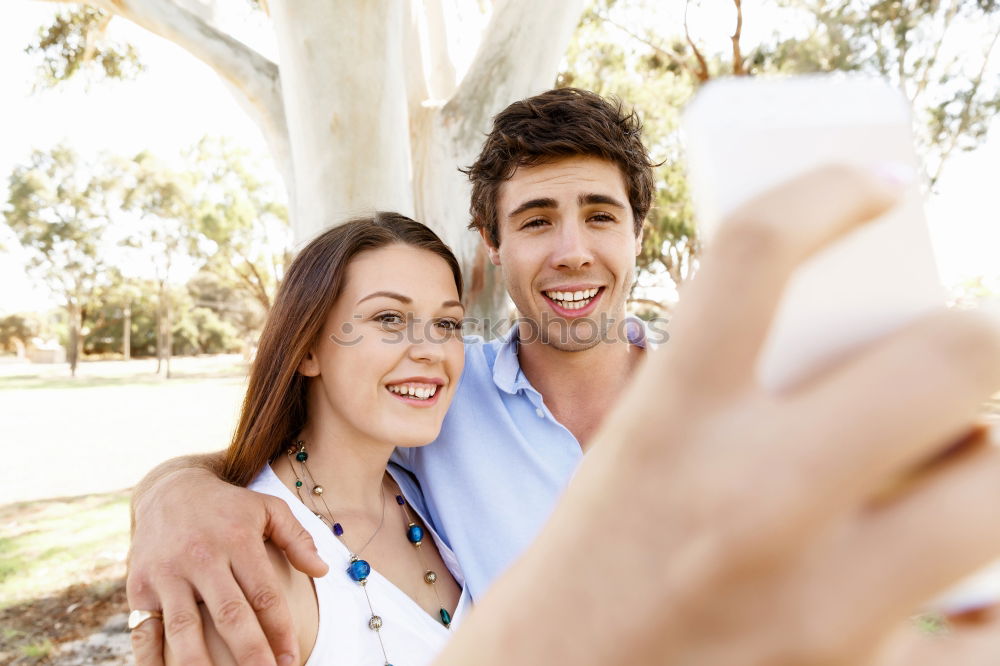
564, 122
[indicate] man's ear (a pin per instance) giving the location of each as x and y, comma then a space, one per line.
309, 367
488, 244
638, 240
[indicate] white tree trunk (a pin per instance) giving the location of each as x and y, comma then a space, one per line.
345, 100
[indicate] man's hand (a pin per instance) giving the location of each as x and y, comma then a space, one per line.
717, 523
199, 539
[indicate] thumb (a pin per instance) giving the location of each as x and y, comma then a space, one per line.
287, 533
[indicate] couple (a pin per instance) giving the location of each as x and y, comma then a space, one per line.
362, 355
696, 529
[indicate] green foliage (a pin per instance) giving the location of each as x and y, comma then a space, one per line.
241, 217
17, 328
75, 42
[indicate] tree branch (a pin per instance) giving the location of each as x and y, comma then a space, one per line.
738, 69
964, 118
518, 57
702, 72
648, 42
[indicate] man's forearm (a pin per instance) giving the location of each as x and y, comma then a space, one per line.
207, 462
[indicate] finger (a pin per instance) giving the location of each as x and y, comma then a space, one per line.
147, 643
262, 589
182, 628
895, 404
288, 534
147, 638
235, 620
726, 312
945, 529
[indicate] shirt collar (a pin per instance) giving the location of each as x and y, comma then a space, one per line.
507, 373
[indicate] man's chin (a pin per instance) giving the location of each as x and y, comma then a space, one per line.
572, 336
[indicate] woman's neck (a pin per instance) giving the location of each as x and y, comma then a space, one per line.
350, 471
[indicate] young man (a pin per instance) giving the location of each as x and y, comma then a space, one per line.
666, 546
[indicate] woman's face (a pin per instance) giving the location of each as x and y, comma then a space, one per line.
390, 353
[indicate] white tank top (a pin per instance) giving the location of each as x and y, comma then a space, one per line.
411, 636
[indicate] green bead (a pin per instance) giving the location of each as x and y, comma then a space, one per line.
301, 456
298, 484
445, 617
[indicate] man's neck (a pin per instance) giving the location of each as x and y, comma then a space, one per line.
579, 387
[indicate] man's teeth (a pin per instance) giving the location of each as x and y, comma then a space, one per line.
572, 300
420, 392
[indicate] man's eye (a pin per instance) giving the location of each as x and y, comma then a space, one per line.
536, 222
602, 217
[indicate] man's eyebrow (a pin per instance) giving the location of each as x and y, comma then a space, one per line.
602, 199
534, 203
388, 294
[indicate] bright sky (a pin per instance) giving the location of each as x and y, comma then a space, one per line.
178, 100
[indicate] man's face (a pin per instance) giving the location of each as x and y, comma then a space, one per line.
567, 248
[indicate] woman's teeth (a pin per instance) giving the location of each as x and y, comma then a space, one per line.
418, 391
572, 300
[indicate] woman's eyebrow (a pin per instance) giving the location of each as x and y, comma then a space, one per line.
406, 299
388, 294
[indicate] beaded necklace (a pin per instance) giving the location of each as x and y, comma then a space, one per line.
358, 569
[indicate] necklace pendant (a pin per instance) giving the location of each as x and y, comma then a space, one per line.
338, 529
445, 618
358, 570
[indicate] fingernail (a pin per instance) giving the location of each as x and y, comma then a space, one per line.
897, 175
286, 660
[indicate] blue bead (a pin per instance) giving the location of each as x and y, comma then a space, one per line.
415, 533
359, 570
445, 618
399, 500
338, 530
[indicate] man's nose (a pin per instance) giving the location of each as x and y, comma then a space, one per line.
572, 249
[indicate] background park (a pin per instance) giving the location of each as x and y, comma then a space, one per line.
162, 159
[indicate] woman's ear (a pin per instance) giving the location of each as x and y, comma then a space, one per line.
309, 367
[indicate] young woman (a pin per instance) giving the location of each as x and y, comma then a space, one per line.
361, 353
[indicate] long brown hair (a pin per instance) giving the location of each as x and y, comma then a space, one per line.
274, 409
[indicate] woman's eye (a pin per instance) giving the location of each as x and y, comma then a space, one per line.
450, 324
389, 319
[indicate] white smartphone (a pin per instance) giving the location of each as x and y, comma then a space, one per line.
744, 136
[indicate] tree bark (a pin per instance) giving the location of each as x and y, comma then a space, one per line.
345, 101
127, 332
75, 336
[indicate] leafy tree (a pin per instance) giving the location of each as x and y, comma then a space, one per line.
161, 198
15, 332
241, 216
59, 209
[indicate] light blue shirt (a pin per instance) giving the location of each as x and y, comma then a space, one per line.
493, 475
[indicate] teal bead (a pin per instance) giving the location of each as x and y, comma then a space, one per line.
415, 534
298, 484
301, 456
445, 617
